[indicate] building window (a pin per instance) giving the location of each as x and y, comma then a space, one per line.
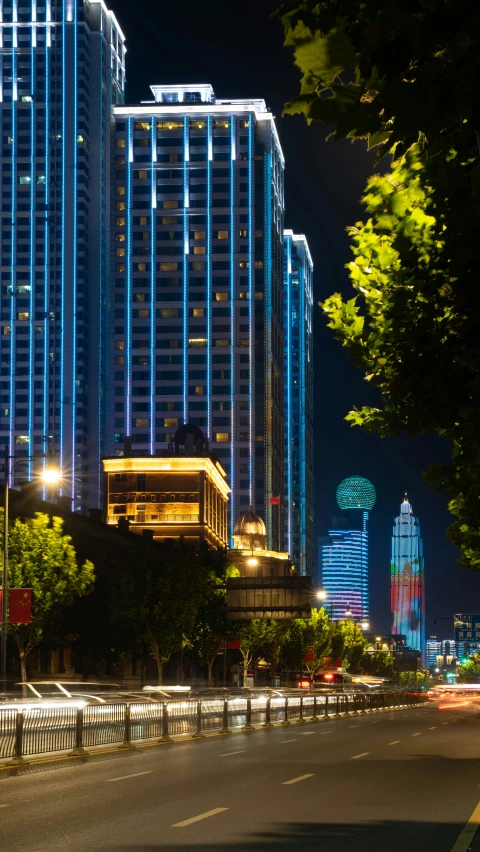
223, 124
170, 205
22, 439
199, 235
120, 237
197, 341
142, 125
121, 205
199, 249
23, 315
221, 437
119, 267
120, 190
197, 125
222, 235
221, 297
120, 252
144, 313
169, 125
142, 422
119, 344
120, 143
168, 267
168, 313
199, 390
198, 312
142, 175
172, 422
120, 359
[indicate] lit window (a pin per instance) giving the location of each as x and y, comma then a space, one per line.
119, 344
168, 313
167, 220
142, 125
170, 205
198, 265
259, 295
222, 235
243, 232
120, 252
141, 267
221, 297
144, 313
199, 235
169, 125
197, 341
244, 122
199, 390
120, 190
142, 175
170, 421
119, 267
26, 99
199, 249
41, 179
120, 359
244, 295
120, 160
244, 264
120, 223
259, 264
80, 139
168, 267
197, 125
121, 143
143, 220
141, 421
258, 232
120, 205
244, 341
221, 437
198, 312
22, 439
24, 179
220, 125
222, 343
23, 315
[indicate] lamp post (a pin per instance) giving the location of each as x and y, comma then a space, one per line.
322, 596
50, 476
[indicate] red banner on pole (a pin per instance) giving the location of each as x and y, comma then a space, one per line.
19, 606
275, 501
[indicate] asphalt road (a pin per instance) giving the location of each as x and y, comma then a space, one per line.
402, 781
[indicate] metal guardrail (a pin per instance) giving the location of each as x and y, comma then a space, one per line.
40, 729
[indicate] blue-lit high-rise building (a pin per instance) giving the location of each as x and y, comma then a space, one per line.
407, 579
344, 552
298, 367
62, 67
196, 288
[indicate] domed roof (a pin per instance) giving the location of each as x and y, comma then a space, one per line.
188, 429
356, 492
249, 524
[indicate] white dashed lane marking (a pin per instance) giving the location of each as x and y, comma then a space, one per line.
199, 817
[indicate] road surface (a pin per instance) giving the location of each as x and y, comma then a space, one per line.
401, 781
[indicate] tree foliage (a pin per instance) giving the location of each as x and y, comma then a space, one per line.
405, 76
469, 672
41, 558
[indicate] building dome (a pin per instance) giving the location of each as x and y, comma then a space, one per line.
249, 532
189, 439
249, 524
356, 492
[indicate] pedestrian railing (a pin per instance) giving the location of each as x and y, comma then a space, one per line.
26, 731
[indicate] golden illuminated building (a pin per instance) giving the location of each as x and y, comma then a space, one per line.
181, 494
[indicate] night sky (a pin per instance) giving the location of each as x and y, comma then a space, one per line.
238, 48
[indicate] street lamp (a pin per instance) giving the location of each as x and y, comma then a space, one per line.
50, 476
365, 625
322, 596
348, 611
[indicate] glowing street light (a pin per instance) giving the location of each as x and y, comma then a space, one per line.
348, 611
365, 625
50, 476
252, 562
321, 595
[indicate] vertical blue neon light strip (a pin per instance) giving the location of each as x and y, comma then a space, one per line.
103, 290
128, 353
63, 252
153, 295
74, 251
233, 154
12, 235
302, 295
209, 276
31, 323
46, 342
186, 200
288, 409
251, 295
267, 310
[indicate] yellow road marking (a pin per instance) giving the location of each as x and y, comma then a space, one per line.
469, 832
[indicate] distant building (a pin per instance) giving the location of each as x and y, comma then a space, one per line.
180, 493
298, 383
407, 579
344, 552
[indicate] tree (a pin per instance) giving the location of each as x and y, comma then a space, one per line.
211, 623
41, 558
252, 636
274, 639
348, 643
405, 76
469, 672
158, 604
295, 646
380, 663
318, 635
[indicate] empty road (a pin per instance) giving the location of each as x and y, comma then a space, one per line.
401, 781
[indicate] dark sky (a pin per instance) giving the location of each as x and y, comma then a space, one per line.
237, 47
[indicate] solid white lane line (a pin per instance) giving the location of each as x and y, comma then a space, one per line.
433, 728
288, 741
416, 735
229, 753
394, 742
362, 754
296, 780
134, 775
199, 817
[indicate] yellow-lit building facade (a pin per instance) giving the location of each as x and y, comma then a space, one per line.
172, 497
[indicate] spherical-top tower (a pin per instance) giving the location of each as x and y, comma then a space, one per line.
356, 492
344, 554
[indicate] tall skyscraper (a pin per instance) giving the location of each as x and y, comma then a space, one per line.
407, 579
298, 366
62, 66
344, 552
196, 288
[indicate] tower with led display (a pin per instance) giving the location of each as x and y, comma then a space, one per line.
344, 552
407, 579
